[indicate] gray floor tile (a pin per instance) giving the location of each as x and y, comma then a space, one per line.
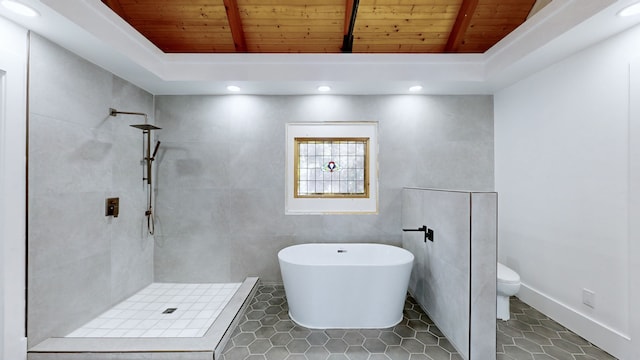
317, 338
267, 333
277, 353
390, 338
357, 352
338, 357
517, 352
280, 339
336, 346
353, 337
298, 346
374, 345
259, 346
397, 353
317, 353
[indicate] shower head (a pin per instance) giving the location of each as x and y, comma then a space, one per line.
145, 127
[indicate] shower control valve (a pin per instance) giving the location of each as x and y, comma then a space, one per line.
112, 207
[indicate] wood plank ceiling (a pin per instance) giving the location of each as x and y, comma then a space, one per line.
327, 26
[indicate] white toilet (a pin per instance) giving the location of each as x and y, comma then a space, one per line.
508, 285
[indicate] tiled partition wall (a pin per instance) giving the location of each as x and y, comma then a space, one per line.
454, 277
221, 183
80, 261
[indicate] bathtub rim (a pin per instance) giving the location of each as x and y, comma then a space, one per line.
406, 255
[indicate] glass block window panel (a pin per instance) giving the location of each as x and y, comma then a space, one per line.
331, 167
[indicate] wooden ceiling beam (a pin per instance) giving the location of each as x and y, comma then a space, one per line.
350, 12
235, 24
461, 25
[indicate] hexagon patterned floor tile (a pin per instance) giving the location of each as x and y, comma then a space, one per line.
531, 335
267, 333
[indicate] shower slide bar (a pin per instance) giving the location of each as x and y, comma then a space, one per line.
147, 158
428, 233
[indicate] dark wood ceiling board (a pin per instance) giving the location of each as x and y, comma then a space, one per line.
290, 36
182, 25
382, 27
116, 7
304, 48
396, 48
295, 11
292, 26
176, 10
492, 21
415, 10
413, 26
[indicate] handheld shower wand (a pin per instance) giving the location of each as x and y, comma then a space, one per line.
155, 151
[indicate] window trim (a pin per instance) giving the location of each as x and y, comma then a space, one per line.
331, 205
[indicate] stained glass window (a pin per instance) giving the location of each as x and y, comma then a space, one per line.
331, 167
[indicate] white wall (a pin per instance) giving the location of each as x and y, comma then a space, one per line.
13, 61
634, 206
562, 172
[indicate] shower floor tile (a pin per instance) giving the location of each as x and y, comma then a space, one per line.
149, 312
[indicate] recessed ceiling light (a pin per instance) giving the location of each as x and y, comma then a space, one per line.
630, 10
233, 88
324, 88
415, 88
20, 8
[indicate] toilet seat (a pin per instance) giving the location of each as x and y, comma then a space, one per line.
507, 276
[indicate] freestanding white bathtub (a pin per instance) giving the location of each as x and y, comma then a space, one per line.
345, 286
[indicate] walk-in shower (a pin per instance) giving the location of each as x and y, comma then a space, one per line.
148, 158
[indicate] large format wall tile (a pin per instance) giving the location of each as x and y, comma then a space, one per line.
484, 217
235, 145
63, 298
64, 86
454, 277
80, 261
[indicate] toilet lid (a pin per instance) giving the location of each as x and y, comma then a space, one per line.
507, 275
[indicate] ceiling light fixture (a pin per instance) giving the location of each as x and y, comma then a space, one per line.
233, 88
324, 88
20, 8
415, 88
630, 10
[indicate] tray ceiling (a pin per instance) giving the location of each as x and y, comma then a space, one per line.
328, 26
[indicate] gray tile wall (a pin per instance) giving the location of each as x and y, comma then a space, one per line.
221, 174
454, 277
484, 243
81, 262
441, 273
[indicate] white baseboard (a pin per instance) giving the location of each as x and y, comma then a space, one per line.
606, 338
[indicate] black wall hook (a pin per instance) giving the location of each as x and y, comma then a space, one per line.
428, 233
